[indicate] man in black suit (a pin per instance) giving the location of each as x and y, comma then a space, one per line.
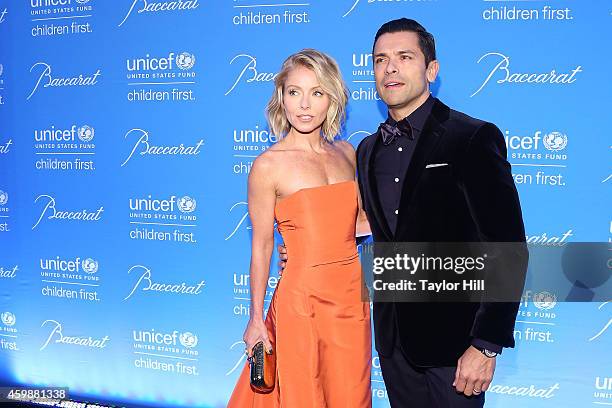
433, 174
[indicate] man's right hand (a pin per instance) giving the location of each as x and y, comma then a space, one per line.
282, 255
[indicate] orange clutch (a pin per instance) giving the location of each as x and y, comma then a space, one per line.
263, 368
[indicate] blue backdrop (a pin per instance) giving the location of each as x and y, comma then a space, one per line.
127, 131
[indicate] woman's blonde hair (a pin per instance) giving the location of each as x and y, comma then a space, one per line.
330, 78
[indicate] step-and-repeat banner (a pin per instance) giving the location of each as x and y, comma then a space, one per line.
127, 132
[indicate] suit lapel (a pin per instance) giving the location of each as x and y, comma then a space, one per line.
373, 189
428, 140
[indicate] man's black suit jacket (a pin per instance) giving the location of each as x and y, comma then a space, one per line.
469, 197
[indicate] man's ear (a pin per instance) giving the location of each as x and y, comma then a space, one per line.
432, 71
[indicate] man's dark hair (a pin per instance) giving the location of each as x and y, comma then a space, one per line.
426, 40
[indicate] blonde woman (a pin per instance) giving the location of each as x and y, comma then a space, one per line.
318, 322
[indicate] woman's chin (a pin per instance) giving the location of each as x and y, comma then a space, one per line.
307, 129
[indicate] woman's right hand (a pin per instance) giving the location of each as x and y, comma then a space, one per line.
255, 332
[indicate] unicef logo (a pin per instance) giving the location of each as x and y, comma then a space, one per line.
90, 266
86, 133
188, 340
544, 300
8, 318
82, 1
185, 60
555, 141
3, 197
186, 204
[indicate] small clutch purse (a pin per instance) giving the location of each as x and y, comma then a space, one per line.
263, 369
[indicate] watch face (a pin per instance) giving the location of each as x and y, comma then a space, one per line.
489, 353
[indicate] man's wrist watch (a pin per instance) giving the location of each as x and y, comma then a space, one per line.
487, 352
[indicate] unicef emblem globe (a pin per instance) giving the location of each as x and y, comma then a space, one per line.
3, 197
185, 60
544, 300
186, 204
555, 141
86, 133
90, 266
188, 340
8, 318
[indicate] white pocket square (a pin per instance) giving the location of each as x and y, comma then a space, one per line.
430, 166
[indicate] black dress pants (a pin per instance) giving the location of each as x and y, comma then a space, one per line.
415, 387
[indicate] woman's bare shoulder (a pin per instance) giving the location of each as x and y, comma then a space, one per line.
271, 162
347, 149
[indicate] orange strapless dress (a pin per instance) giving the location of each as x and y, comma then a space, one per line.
317, 321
